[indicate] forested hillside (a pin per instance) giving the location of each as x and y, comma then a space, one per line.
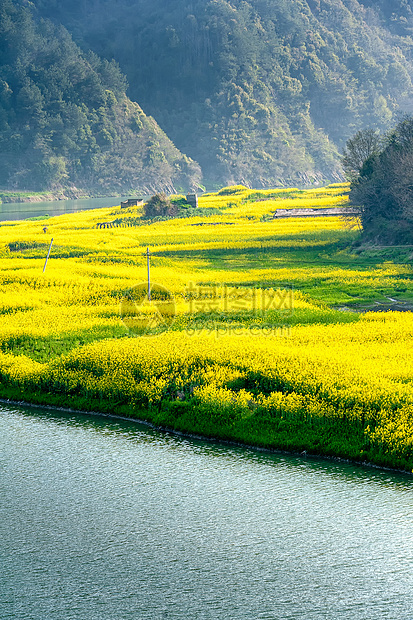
65, 120
257, 91
397, 15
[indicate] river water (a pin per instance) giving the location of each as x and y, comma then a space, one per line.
105, 519
24, 210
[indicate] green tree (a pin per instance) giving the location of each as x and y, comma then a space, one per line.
359, 148
383, 190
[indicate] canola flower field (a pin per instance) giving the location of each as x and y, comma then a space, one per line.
258, 329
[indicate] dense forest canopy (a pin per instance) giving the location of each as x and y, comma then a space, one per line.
396, 15
65, 120
259, 92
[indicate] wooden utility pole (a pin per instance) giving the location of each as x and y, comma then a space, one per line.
149, 274
47, 257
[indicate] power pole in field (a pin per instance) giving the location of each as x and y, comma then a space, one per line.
48, 254
149, 274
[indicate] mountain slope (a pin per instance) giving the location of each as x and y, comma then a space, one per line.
257, 91
65, 119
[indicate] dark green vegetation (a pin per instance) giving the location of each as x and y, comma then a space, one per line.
261, 92
65, 119
43, 349
382, 188
161, 207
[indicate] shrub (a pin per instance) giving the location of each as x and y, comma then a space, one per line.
160, 206
233, 189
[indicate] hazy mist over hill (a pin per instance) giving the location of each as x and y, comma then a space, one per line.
260, 92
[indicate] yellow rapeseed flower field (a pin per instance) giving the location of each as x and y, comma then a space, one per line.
244, 337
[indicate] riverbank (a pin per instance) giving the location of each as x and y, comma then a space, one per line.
290, 439
273, 393
305, 454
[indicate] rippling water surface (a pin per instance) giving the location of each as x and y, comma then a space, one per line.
105, 519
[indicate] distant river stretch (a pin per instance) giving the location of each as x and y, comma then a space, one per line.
105, 519
24, 210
